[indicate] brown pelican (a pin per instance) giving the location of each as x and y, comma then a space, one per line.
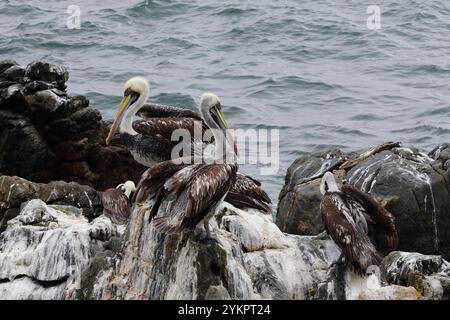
116, 202
198, 189
149, 139
347, 215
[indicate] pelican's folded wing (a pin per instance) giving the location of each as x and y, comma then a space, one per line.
116, 206
164, 126
154, 110
246, 192
356, 246
384, 220
153, 179
199, 188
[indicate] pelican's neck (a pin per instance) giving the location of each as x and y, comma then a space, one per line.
221, 148
126, 125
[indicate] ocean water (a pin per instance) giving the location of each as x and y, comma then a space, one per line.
312, 69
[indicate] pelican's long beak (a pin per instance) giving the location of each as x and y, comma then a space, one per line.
222, 122
124, 104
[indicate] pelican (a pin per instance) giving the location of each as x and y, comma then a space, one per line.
116, 202
197, 189
347, 214
149, 139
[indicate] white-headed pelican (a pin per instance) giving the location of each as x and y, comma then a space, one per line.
116, 202
149, 139
197, 189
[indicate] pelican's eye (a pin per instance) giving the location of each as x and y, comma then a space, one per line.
131, 93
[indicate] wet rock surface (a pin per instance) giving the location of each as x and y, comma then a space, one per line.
241, 265
429, 275
46, 248
275, 266
412, 185
47, 135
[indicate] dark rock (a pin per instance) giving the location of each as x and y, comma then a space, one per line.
35, 86
6, 83
12, 98
412, 186
87, 119
217, 293
61, 130
103, 260
14, 191
308, 168
47, 135
6, 64
14, 73
334, 286
40, 70
59, 92
73, 150
44, 101
73, 105
6, 216
416, 194
79, 171
77, 103
299, 198
442, 156
112, 166
24, 151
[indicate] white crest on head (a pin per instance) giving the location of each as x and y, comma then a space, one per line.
138, 84
208, 100
328, 183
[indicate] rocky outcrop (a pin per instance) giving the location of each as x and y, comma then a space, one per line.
429, 275
412, 185
45, 249
47, 135
52, 251
251, 259
15, 191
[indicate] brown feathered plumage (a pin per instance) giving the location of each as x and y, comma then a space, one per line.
246, 192
166, 126
154, 110
382, 220
346, 214
116, 206
198, 189
355, 244
160, 121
